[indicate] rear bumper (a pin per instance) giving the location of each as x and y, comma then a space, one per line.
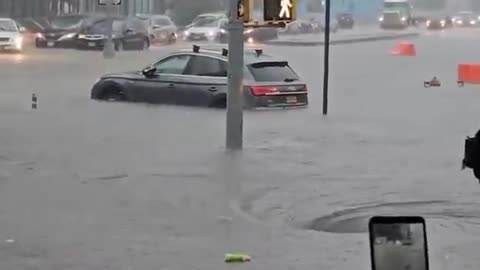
277, 101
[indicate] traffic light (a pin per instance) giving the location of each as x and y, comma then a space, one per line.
244, 10
114, 2
279, 10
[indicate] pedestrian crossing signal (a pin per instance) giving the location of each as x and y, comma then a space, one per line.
279, 10
244, 10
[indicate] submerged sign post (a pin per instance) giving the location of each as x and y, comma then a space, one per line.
108, 47
239, 14
276, 13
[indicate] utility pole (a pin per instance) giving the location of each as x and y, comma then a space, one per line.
108, 47
326, 57
234, 133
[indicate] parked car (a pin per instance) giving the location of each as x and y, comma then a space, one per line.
308, 27
466, 19
160, 27
61, 33
199, 78
439, 23
214, 16
129, 33
251, 35
31, 27
10, 35
345, 20
209, 29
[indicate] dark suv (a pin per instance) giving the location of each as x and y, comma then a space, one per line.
129, 33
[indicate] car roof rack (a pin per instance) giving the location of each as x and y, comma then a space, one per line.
224, 51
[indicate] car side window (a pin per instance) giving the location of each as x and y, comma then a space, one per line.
207, 66
172, 65
139, 26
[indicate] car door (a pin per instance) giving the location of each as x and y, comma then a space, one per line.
141, 33
167, 77
131, 35
206, 81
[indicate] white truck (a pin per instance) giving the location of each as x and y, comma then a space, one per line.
396, 14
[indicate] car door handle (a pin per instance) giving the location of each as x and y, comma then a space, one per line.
171, 85
213, 89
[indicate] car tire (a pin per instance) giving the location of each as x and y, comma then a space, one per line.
145, 44
113, 95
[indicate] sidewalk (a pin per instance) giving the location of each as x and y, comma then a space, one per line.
360, 34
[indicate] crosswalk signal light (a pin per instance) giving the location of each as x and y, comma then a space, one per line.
279, 10
244, 10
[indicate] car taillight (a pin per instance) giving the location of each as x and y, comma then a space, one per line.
263, 90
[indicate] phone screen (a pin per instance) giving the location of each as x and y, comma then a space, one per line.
398, 243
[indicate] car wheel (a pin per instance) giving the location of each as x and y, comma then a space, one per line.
112, 95
146, 44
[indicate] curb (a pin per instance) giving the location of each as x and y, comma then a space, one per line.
342, 41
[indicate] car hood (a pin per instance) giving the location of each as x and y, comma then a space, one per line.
202, 30
58, 31
7, 34
124, 75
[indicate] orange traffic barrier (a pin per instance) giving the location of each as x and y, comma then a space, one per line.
468, 74
404, 49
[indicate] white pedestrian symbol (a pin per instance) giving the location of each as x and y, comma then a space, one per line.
240, 9
285, 11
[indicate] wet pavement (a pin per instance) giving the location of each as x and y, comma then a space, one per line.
91, 185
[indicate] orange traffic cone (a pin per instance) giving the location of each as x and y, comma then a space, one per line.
468, 74
404, 48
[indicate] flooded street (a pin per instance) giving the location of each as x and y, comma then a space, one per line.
94, 185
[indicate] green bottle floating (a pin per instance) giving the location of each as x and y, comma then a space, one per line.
237, 258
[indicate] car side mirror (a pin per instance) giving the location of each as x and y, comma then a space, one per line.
149, 72
129, 30
22, 29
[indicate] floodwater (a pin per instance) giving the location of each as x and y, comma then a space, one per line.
89, 185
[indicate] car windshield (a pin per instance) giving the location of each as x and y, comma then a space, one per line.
207, 22
161, 21
272, 72
67, 22
8, 26
100, 26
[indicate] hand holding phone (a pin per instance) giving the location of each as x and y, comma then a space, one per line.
398, 243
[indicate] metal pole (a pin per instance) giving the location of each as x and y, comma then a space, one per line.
108, 48
326, 57
234, 134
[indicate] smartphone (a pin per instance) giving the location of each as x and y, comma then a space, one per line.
398, 243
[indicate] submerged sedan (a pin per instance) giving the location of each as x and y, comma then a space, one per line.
199, 78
